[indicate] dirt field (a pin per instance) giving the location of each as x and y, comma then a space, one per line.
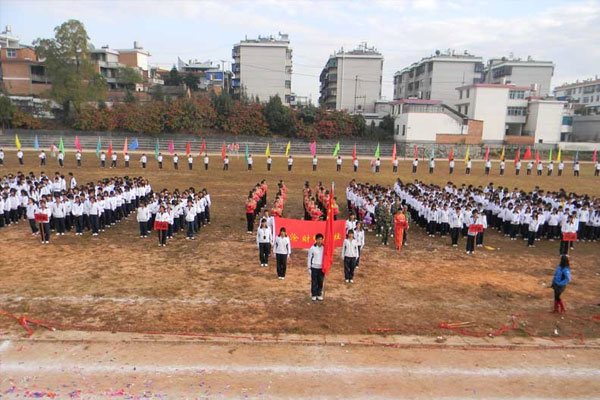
120, 282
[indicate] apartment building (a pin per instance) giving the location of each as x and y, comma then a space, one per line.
106, 63
263, 68
515, 71
586, 93
21, 72
437, 77
210, 76
351, 80
136, 58
511, 114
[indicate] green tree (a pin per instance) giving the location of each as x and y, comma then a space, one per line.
174, 79
128, 77
308, 114
387, 124
69, 67
7, 111
158, 93
129, 97
223, 105
191, 81
278, 117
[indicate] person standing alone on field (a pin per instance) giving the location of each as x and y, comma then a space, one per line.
290, 163
338, 164
415, 165
562, 276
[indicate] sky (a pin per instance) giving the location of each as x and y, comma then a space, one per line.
404, 31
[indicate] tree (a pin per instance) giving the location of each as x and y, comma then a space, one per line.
158, 93
223, 106
174, 79
129, 97
69, 67
191, 81
7, 111
308, 114
387, 124
278, 117
128, 77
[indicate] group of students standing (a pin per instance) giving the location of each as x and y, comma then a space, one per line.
317, 201
68, 206
188, 210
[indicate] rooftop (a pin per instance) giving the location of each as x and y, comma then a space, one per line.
586, 82
495, 86
283, 38
415, 101
444, 56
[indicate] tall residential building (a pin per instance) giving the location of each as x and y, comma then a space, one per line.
21, 72
263, 68
514, 71
586, 93
351, 80
437, 77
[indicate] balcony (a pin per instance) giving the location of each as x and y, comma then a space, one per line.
235, 68
235, 83
35, 78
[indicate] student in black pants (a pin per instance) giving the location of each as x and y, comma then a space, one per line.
264, 240
282, 250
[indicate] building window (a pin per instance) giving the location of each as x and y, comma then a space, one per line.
517, 111
288, 84
287, 99
466, 109
11, 53
460, 94
468, 92
585, 99
516, 94
403, 130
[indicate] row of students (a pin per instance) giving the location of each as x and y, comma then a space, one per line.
316, 202
256, 200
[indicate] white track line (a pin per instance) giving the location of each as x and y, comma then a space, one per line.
124, 300
4, 345
64, 367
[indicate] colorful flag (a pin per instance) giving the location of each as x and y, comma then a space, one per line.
17, 142
594, 156
246, 154
537, 156
559, 155
268, 150
188, 148
376, 155
550, 156
125, 147
134, 145
98, 147
487, 153
171, 147
503, 153
156, 149
518, 156
287, 148
451, 155
313, 148
337, 149
223, 151
109, 152
354, 153
394, 153
527, 155
78, 144
416, 152
53, 150
329, 236
576, 156
203, 147
468, 153
61, 145
36, 143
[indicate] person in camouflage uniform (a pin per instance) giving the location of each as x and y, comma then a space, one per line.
387, 221
379, 209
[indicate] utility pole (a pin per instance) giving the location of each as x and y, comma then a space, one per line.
223, 75
355, 88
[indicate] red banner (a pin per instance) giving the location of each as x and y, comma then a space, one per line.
41, 217
302, 233
161, 226
476, 228
569, 236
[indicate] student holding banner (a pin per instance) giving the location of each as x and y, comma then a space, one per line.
475, 226
569, 235
161, 224
42, 217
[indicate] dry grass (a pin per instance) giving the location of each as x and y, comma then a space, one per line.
214, 284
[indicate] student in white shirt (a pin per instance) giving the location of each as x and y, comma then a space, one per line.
550, 168
540, 168
143, 215
143, 160
1, 158
264, 239
175, 162
415, 165
529, 167
103, 160
502, 167
431, 165
162, 216
315, 268
30, 213
44, 226
113, 160
77, 212
58, 213
42, 157
290, 163
226, 163
20, 157
488, 166
250, 161
206, 161
159, 159
359, 235
451, 167
283, 251
576, 168
314, 162
469, 164
190, 218
78, 158
355, 164
395, 165
349, 256
597, 168
190, 162
561, 166
269, 162
377, 164
126, 157
350, 223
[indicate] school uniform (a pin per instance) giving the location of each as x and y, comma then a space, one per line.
431, 166
314, 164
455, 221
338, 164
42, 157
355, 164
143, 160
533, 228
78, 158
45, 225
468, 171
206, 163
470, 234
349, 256
250, 161
269, 162
561, 166
20, 157
377, 165
488, 166
315, 268
190, 163
103, 160
415, 164
162, 235
126, 157
290, 163
1, 158
30, 214
176, 162
451, 167
160, 161
567, 227
94, 216
113, 162
190, 217
58, 213
263, 241
282, 249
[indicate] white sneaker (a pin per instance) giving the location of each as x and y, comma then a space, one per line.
57, 234
320, 298
314, 298
351, 280
347, 280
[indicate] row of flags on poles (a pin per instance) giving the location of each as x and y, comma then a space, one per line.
234, 148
